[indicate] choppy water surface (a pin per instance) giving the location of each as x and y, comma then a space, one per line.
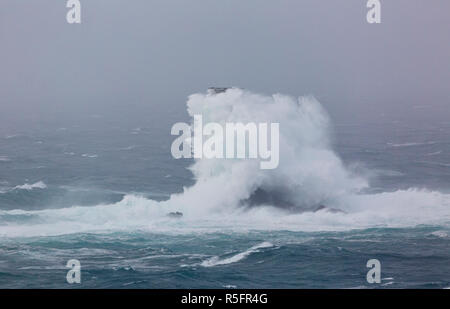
100, 193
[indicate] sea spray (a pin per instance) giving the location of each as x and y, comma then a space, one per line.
309, 172
224, 197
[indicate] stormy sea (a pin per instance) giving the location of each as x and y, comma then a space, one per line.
101, 190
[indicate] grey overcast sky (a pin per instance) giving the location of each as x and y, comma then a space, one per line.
148, 56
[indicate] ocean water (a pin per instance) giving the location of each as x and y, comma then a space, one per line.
99, 190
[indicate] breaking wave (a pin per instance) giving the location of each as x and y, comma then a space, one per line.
237, 195
309, 172
37, 185
4, 159
216, 260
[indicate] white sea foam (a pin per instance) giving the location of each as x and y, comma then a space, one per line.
440, 234
309, 173
128, 148
396, 209
215, 261
434, 163
12, 136
37, 185
433, 153
4, 159
412, 144
87, 155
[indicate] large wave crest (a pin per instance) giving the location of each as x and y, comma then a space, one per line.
309, 173
238, 195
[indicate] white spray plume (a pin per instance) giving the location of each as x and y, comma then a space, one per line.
309, 172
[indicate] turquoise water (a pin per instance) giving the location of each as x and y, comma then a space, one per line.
410, 258
100, 192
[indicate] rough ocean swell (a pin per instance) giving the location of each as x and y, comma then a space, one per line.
310, 173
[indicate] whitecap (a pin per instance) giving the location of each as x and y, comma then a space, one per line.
87, 155
215, 260
440, 234
26, 186
433, 153
411, 144
128, 148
